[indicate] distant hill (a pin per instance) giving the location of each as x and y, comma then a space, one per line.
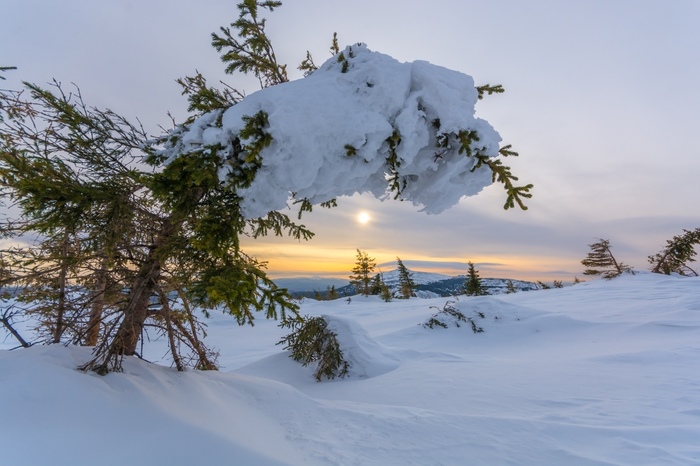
430, 285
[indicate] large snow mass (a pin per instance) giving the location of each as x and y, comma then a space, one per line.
314, 119
600, 373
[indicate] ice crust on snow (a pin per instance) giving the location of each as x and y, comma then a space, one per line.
311, 121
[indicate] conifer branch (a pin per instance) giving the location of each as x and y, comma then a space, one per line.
203, 98
499, 172
251, 51
488, 89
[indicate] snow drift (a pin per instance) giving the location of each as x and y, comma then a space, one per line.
597, 373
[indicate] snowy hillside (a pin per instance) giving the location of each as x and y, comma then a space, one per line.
600, 373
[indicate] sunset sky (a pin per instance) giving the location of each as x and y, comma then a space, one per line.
601, 102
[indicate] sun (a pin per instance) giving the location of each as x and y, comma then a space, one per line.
363, 217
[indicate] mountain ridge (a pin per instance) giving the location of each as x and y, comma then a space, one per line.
429, 285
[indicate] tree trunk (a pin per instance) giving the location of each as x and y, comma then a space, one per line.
135, 312
62, 278
98, 304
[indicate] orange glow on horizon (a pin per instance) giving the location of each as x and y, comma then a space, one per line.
305, 260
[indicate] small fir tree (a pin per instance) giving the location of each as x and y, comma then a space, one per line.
543, 285
675, 256
312, 342
558, 284
332, 293
510, 288
600, 261
360, 278
472, 285
385, 293
406, 284
376, 286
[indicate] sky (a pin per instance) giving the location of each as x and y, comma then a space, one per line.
601, 103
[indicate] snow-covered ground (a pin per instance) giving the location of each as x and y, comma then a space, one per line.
597, 373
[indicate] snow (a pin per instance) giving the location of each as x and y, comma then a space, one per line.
312, 120
603, 372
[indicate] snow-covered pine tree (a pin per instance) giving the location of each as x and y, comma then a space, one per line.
361, 273
407, 286
473, 285
678, 252
205, 187
600, 261
510, 288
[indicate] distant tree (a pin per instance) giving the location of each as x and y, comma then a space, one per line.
332, 293
375, 287
558, 284
543, 285
600, 261
406, 284
675, 256
577, 280
361, 273
510, 288
472, 285
385, 293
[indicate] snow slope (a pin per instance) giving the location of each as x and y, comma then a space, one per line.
598, 373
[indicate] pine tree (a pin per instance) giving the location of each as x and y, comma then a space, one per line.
510, 288
180, 227
472, 285
149, 229
376, 286
332, 293
360, 278
558, 284
678, 252
385, 293
600, 261
406, 284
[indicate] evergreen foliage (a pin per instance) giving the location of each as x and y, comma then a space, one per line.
543, 285
449, 316
361, 273
311, 341
558, 284
332, 293
600, 261
377, 285
510, 288
79, 177
248, 49
385, 293
407, 286
473, 285
679, 251
6, 68
136, 231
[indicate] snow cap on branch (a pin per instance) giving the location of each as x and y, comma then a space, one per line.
362, 122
